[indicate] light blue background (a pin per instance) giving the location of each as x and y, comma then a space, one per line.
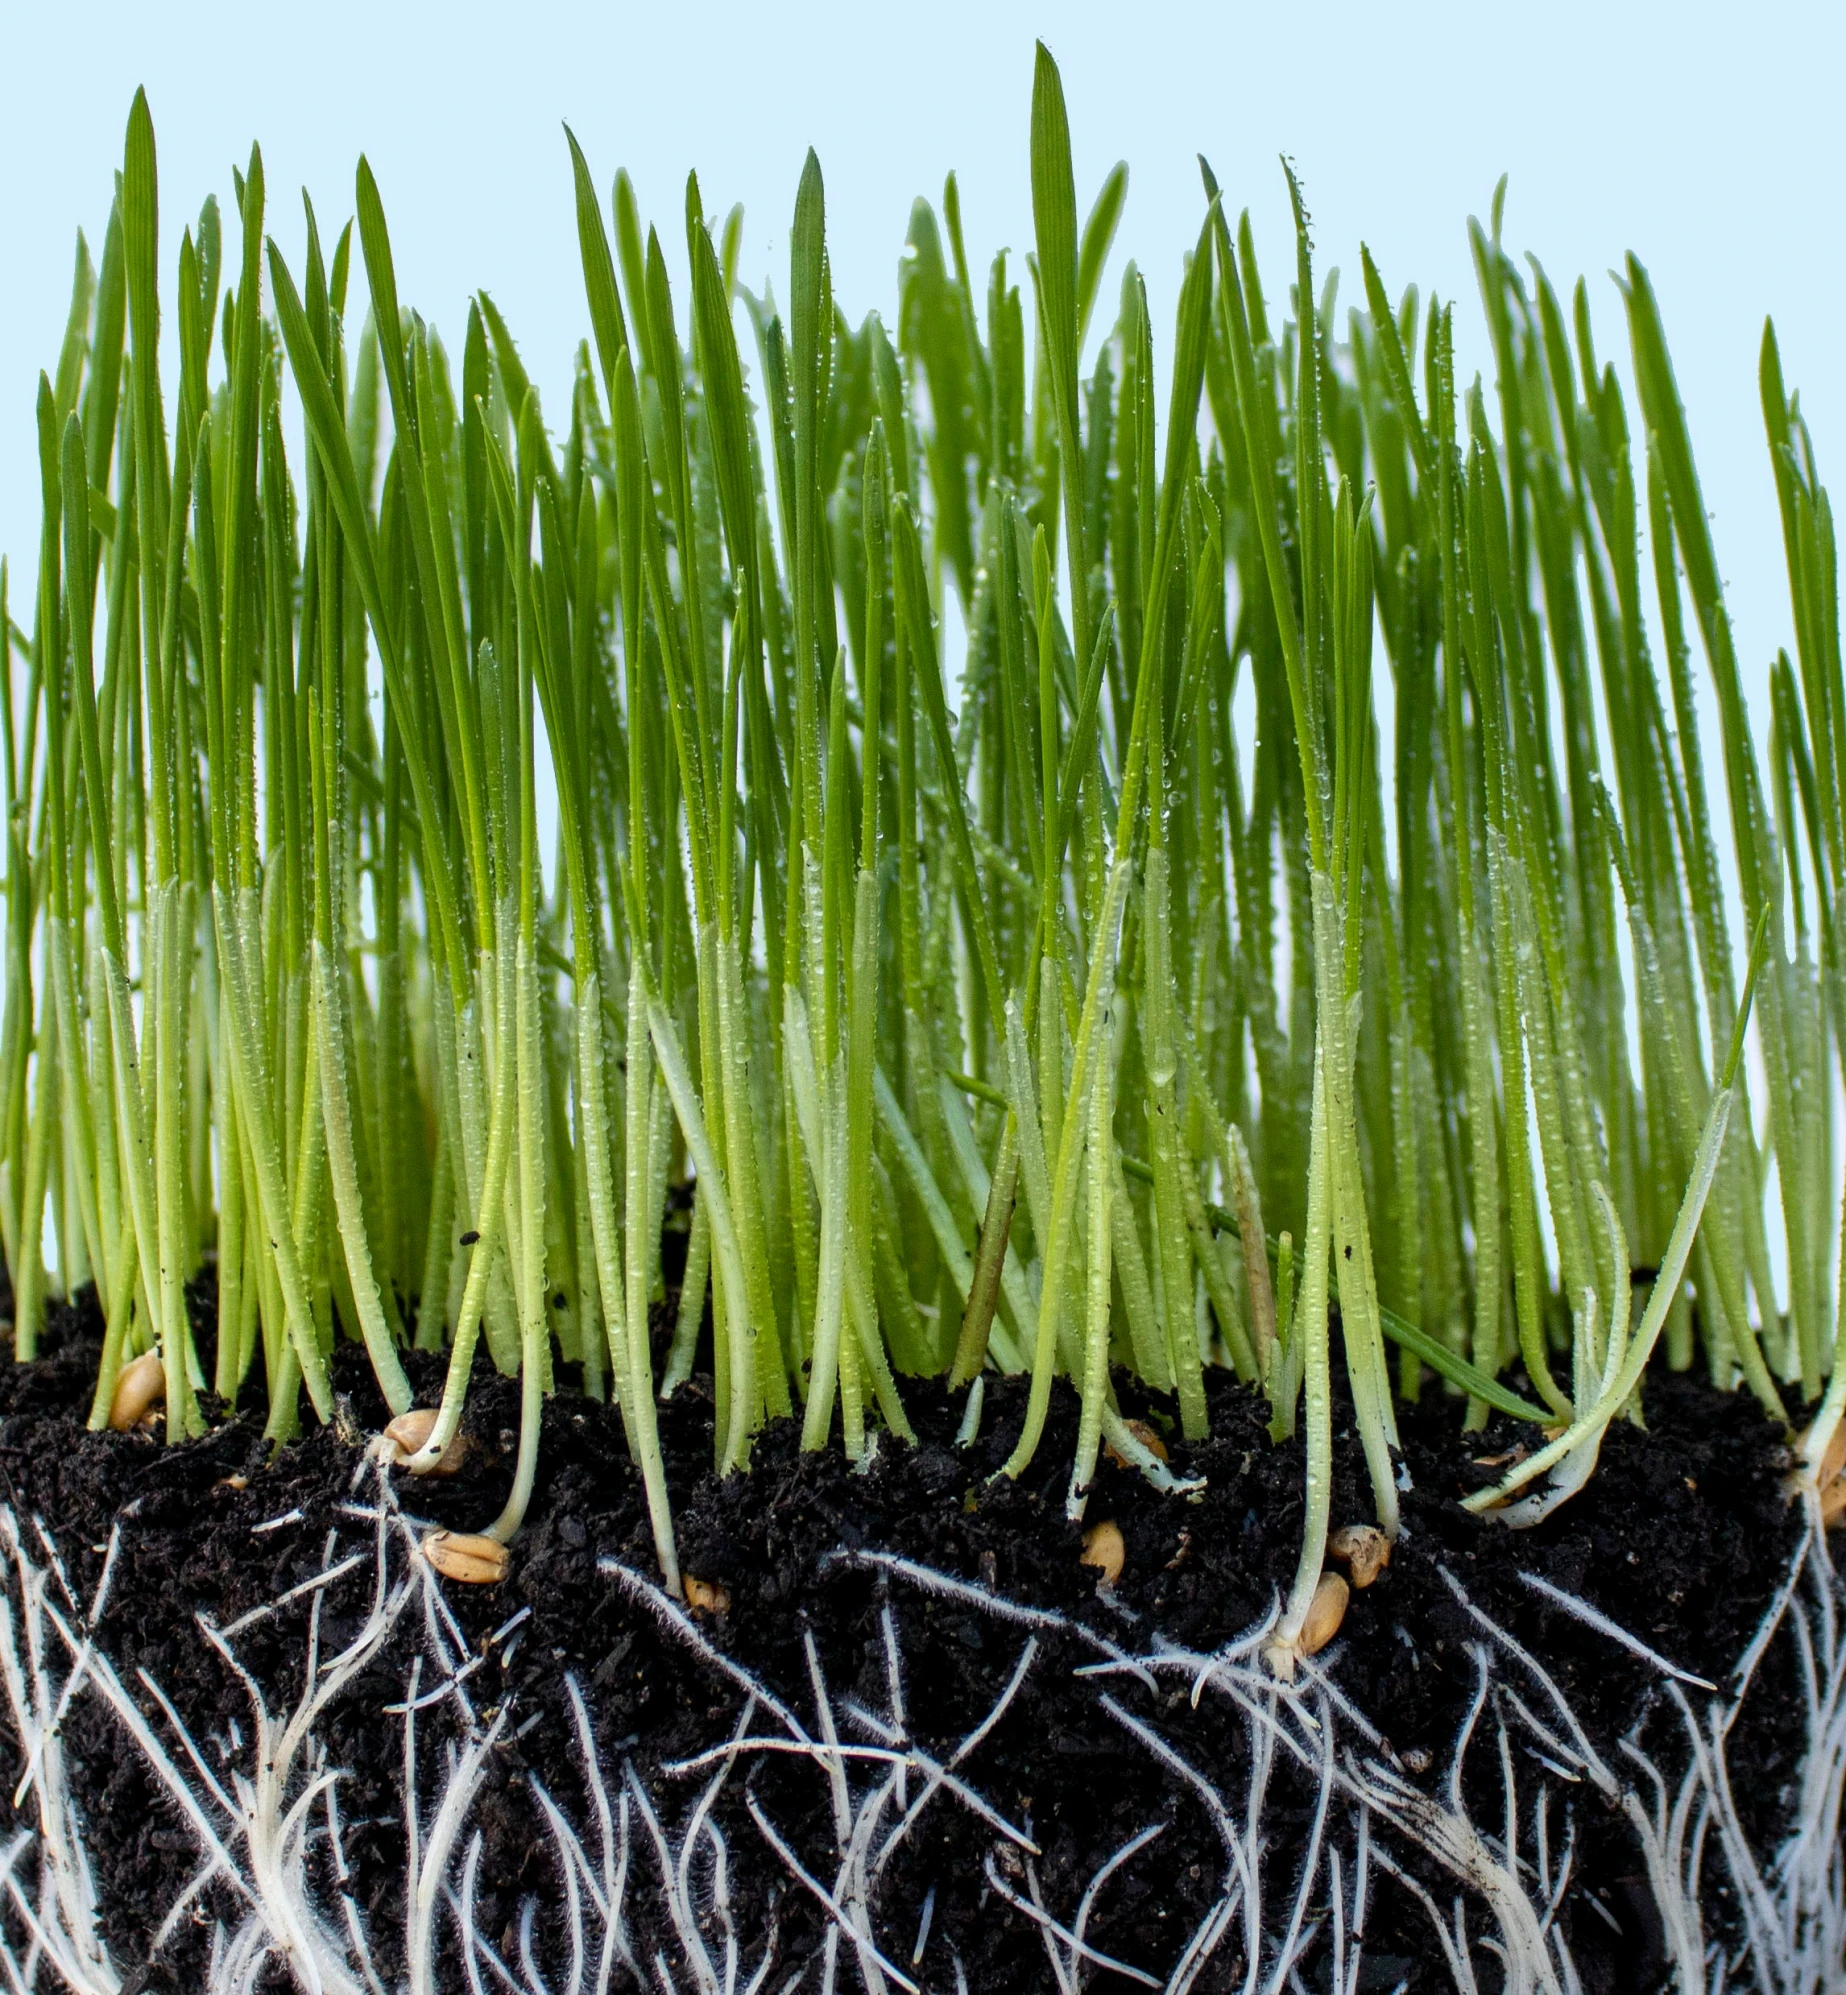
1711, 139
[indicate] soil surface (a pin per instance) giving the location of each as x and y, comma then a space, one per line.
1683, 1537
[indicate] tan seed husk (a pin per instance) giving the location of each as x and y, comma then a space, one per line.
707, 1596
463, 1555
1103, 1549
1828, 1476
1833, 1462
1325, 1613
1149, 1438
139, 1386
1362, 1549
411, 1431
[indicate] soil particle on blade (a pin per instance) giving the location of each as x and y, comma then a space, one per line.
1682, 1537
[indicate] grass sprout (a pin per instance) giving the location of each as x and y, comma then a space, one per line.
1044, 1020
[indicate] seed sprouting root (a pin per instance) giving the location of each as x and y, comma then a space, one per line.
644, 1859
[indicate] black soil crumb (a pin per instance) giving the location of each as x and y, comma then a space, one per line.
1683, 1537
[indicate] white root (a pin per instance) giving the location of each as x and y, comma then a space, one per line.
263, 1809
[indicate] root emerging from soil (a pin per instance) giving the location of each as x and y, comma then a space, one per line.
840, 1790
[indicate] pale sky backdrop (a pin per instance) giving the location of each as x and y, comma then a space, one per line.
1710, 138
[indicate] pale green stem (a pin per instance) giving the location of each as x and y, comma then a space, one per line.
1101, 1180
1588, 1425
439, 1248
249, 1076
744, 1181
1365, 1355
1825, 1424
643, 1208
1056, 1249
343, 1168
1145, 1339
535, 1323
1172, 1238
481, 1260
1484, 1156
231, 1215
115, 1329
694, 1278
78, 1131
1310, 1334
1255, 1254
29, 1284
735, 1441
826, 1144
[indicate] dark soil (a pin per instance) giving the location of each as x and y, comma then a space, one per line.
1683, 1537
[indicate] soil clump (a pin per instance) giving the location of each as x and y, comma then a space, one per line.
1683, 1537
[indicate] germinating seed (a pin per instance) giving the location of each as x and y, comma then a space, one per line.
410, 1432
1833, 1462
1325, 1613
1103, 1549
1362, 1549
463, 1555
140, 1387
1148, 1436
997, 1010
